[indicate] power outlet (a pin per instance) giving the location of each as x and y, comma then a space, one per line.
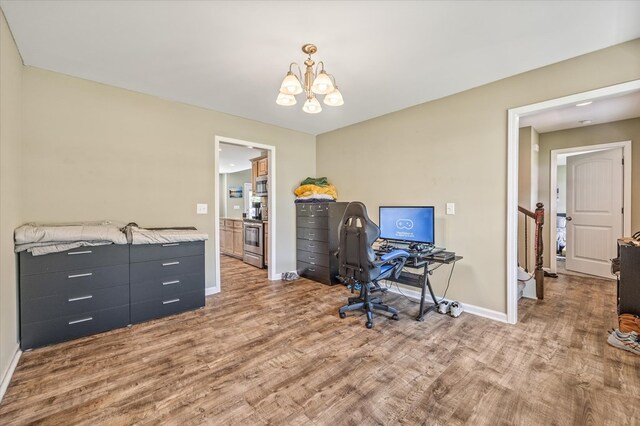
201, 208
451, 208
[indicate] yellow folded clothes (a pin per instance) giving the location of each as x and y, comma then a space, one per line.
306, 190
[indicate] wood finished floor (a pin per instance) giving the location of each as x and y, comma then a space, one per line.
274, 352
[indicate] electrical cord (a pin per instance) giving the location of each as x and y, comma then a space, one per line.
453, 265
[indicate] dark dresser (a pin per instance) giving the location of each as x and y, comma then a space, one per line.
629, 278
73, 293
166, 279
317, 240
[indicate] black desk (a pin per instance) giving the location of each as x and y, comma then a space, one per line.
422, 280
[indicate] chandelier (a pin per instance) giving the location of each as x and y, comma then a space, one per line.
315, 83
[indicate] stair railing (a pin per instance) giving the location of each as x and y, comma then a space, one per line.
538, 218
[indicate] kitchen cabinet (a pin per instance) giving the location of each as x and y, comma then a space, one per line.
259, 168
231, 238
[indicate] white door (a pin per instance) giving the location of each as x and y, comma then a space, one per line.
594, 210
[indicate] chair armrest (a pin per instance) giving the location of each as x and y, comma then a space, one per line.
394, 255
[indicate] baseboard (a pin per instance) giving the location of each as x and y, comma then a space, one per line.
208, 291
6, 379
471, 309
276, 277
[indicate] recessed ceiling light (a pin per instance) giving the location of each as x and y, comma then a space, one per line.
584, 103
231, 165
585, 122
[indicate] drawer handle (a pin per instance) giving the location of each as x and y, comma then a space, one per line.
312, 245
311, 257
170, 263
171, 245
80, 320
79, 252
311, 234
171, 282
88, 274
312, 269
166, 302
312, 221
75, 299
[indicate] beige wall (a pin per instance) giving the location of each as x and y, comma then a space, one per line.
454, 149
527, 193
10, 195
94, 151
235, 179
591, 135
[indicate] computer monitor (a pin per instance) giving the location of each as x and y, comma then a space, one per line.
407, 224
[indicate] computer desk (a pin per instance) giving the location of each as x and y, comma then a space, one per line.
422, 261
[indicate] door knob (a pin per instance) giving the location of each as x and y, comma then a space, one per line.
569, 218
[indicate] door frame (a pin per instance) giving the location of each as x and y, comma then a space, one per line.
513, 128
271, 154
553, 183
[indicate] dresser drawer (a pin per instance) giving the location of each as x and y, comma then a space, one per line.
72, 282
314, 222
70, 260
313, 258
74, 302
158, 308
38, 334
162, 270
146, 252
313, 234
312, 209
313, 246
314, 272
158, 289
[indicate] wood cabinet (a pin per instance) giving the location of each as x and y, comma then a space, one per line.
231, 237
254, 174
263, 166
238, 239
259, 168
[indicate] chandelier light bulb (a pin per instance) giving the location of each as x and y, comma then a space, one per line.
334, 98
285, 100
322, 84
312, 106
291, 85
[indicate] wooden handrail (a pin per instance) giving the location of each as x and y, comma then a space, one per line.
538, 217
529, 213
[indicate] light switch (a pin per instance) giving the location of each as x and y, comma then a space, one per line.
201, 208
451, 208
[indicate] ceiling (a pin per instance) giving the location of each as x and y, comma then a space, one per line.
602, 110
235, 158
385, 55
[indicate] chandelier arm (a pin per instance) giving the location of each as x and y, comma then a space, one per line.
299, 70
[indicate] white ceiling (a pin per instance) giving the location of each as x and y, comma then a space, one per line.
603, 110
235, 158
385, 55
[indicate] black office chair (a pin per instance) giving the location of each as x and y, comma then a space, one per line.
358, 265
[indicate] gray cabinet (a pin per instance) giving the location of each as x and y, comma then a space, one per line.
317, 240
166, 279
629, 279
72, 294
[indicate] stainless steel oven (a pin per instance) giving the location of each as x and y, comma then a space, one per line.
254, 243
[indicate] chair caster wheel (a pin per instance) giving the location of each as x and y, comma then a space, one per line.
395, 317
369, 324
342, 315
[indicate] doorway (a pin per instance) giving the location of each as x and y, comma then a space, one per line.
245, 210
513, 118
575, 251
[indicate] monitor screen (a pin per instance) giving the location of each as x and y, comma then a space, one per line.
411, 224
